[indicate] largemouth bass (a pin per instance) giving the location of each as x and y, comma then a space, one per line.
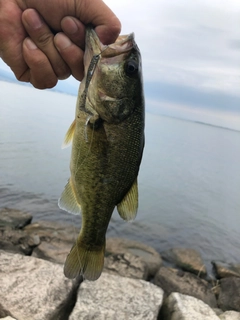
107, 138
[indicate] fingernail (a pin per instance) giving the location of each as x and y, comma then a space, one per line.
62, 42
65, 76
70, 25
33, 19
30, 44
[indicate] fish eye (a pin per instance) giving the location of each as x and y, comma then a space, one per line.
131, 67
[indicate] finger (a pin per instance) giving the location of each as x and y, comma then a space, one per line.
42, 36
71, 53
96, 12
11, 41
75, 30
40, 72
101, 16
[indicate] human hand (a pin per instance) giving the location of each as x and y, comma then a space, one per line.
43, 66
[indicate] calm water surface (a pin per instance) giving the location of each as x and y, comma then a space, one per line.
189, 180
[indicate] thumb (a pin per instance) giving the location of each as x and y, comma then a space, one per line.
96, 12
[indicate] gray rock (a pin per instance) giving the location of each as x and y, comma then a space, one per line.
229, 296
48, 230
16, 241
187, 259
224, 270
55, 251
14, 219
172, 280
34, 289
230, 315
56, 239
8, 318
182, 307
4, 312
217, 311
126, 265
148, 255
33, 240
117, 298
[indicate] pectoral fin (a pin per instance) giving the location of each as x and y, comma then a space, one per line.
127, 208
69, 135
68, 200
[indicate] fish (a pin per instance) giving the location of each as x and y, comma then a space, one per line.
107, 137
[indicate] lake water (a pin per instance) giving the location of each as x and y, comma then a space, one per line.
189, 181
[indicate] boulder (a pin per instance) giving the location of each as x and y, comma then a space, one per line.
3, 311
17, 241
217, 311
126, 265
55, 251
14, 219
230, 315
115, 297
172, 280
229, 296
148, 255
8, 318
48, 230
34, 289
182, 307
186, 259
33, 240
224, 270
56, 238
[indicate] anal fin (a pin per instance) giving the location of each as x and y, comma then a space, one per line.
68, 200
127, 208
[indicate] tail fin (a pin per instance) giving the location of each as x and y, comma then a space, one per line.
84, 261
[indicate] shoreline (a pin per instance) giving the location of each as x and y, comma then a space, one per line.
178, 270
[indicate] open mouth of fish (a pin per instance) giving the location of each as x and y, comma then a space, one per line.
96, 50
123, 44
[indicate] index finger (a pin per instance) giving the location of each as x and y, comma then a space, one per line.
95, 12
106, 23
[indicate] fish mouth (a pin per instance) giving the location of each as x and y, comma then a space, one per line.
123, 44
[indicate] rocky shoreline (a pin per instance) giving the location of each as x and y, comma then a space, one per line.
137, 282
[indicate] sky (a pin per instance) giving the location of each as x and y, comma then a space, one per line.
193, 44
190, 52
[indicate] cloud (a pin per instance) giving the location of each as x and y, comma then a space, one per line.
189, 48
218, 118
191, 96
235, 44
183, 41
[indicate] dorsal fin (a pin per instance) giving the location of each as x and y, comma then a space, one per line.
127, 208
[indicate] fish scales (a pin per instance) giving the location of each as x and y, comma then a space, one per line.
107, 144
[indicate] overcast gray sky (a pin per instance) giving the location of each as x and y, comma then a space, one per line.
191, 55
196, 43
190, 49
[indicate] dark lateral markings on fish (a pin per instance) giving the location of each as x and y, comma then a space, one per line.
107, 137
